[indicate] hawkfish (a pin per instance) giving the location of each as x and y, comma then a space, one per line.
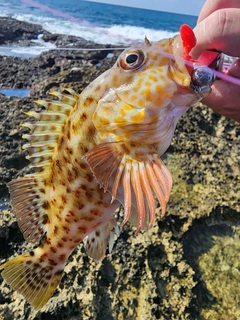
96, 151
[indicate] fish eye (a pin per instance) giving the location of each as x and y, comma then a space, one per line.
132, 60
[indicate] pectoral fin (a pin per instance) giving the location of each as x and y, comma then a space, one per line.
133, 176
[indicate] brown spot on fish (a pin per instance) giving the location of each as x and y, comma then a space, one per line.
69, 175
58, 163
96, 212
48, 241
62, 257
80, 206
84, 187
66, 229
89, 195
52, 262
68, 190
42, 257
97, 88
97, 233
91, 131
76, 172
69, 150
66, 160
68, 135
89, 177
45, 219
46, 206
82, 229
64, 239
53, 249
83, 166
31, 253
90, 99
73, 127
60, 245
88, 217
64, 199
71, 213
83, 116
61, 142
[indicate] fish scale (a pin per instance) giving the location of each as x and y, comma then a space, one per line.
93, 152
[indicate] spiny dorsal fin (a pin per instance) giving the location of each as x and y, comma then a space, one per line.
29, 194
46, 131
132, 174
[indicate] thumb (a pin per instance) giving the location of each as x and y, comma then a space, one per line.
220, 31
234, 69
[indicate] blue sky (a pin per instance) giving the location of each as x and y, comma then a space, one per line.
178, 6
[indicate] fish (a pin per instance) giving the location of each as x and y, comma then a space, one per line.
95, 151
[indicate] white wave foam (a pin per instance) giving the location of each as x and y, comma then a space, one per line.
28, 51
116, 34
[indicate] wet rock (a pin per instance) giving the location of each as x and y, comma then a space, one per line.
12, 30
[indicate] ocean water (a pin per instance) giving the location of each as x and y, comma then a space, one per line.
101, 23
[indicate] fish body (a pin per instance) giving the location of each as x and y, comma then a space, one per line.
91, 153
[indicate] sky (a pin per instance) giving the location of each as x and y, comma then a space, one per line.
177, 6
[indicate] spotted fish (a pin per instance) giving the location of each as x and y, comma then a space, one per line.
94, 151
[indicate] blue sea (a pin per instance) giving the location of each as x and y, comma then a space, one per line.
101, 23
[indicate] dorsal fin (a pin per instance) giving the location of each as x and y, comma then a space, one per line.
132, 174
28, 194
45, 132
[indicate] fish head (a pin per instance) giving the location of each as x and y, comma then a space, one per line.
150, 87
156, 73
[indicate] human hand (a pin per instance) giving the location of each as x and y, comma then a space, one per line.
218, 27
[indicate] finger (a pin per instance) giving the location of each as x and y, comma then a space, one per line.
218, 31
225, 96
213, 5
234, 69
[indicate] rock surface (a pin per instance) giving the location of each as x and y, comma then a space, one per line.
186, 266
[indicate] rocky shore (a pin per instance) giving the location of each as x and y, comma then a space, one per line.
187, 265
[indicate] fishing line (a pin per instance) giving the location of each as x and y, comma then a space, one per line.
219, 74
66, 49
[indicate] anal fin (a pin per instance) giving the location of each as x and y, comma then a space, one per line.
98, 240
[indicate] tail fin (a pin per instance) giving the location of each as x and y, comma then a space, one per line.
36, 281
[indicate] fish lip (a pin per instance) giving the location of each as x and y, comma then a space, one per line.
178, 70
